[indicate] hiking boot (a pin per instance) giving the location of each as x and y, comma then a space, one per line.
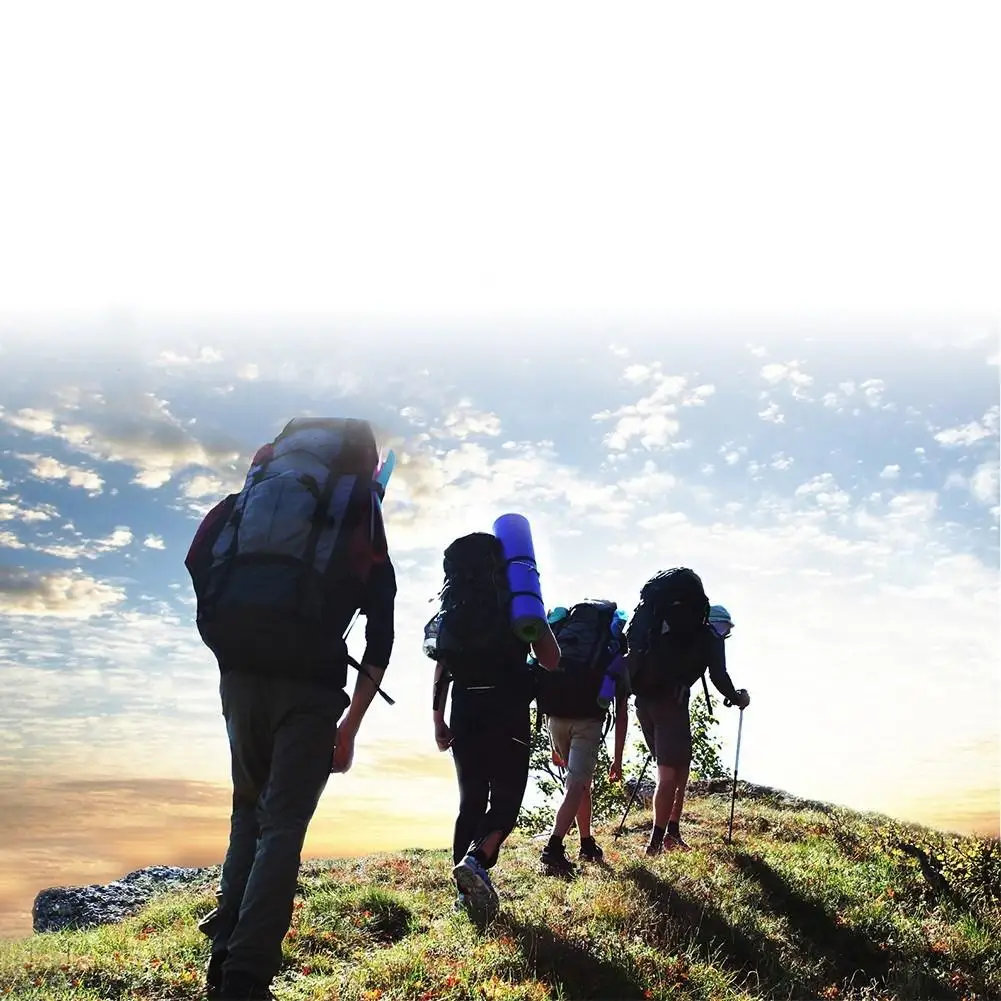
675, 843
554, 858
474, 884
589, 850
240, 986
460, 903
213, 976
655, 847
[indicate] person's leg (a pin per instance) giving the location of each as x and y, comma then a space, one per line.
584, 739
508, 779
250, 762
304, 725
561, 733
682, 752
472, 770
673, 738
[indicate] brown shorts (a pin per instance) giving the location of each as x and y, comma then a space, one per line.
667, 728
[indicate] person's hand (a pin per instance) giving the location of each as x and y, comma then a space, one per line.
615, 772
557, 760
344, 749
743, 700
442, 735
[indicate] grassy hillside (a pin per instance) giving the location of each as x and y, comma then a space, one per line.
808, 902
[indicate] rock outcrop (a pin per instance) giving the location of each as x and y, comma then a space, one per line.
86, 906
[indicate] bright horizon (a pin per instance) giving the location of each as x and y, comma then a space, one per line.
667, 268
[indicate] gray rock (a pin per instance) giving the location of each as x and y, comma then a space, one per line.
64, 907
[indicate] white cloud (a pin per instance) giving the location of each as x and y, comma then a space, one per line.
139, 430
781, 461
206, 356
872, 390
14, 509
154, 542
984, 483
651, 421
464, 421
772, 414
249, 372
71, 594
8, 540
202, 485
790, 372
890, 473
970, 434
45, 467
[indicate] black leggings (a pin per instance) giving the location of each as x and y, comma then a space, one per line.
491, 762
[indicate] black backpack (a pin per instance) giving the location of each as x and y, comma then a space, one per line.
472, 631
587, 647
667, 633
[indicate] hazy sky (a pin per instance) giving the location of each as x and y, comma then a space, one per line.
703, 288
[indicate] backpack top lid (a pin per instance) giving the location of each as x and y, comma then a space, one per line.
719, 619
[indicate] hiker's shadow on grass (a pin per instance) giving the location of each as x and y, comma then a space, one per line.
847, 954
577, 971
752, 956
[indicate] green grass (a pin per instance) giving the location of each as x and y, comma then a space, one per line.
808, 902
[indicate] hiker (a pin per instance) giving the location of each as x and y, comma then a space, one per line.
575, 701
279, 570
672, 643
489, 728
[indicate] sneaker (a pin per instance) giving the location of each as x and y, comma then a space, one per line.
654, 848
589, 850
474, 883
460, 902
554, 859
675, 843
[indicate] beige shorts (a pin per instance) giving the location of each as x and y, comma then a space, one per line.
576, 741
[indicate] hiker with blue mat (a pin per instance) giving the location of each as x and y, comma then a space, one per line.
575, 701
674, 638
491, 616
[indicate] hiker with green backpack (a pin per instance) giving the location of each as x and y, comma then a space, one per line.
576, 701
672, 643
477, 652
279, 571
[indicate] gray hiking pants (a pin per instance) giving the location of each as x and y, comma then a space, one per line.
281, 738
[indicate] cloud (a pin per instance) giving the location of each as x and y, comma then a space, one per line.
205, 356
791, 373
47, 468
772, 414
139, 430
890, 473
70, 594
14, 508
154, 542
970, 434
464, 421
984, 484
651, 419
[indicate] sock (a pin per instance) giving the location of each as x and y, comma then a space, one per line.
672, 828
658, 835
555, 841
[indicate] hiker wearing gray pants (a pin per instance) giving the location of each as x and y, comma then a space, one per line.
280, 571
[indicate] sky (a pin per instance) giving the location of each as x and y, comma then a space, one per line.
678, 287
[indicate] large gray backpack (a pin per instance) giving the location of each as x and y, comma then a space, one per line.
307, 521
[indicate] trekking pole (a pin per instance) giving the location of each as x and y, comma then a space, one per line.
733, 795
635, 790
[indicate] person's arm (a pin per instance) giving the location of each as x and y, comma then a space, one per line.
442, 733
720, 677
547, 650
378, 607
